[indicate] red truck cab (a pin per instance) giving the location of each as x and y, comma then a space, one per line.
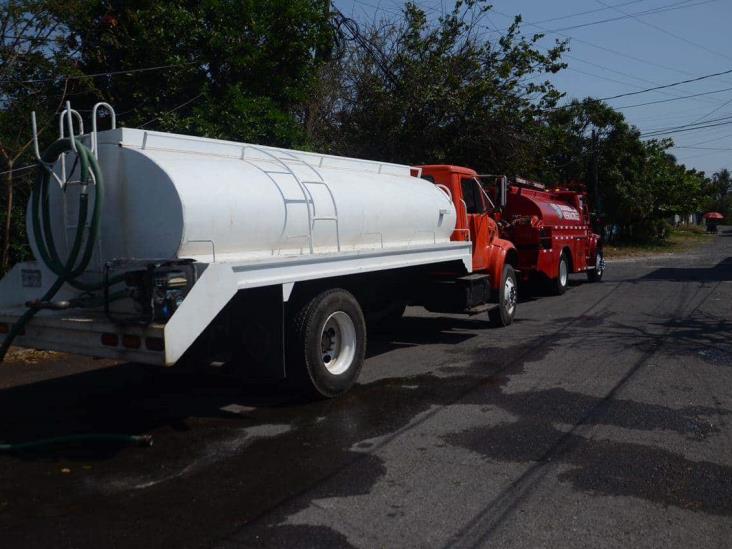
476, 222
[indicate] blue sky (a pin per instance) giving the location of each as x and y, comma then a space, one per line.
677, 41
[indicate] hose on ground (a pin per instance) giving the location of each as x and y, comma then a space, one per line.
68, 271
138, 440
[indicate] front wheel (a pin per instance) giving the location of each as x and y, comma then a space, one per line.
507, 299
595, 275
326, 344
559, 284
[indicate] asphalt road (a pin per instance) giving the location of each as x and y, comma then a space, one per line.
600, 418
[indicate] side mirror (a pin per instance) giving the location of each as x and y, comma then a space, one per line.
502, 191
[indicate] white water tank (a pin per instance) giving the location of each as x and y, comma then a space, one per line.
172, 196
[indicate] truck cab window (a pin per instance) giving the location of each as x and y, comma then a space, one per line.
472, 196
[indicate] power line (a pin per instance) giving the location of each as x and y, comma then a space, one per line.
655, 88
646, 90
28, 167
96, 75
689, 124
671, 85
543, 29
710, 113
667, 32
686, 41
604, 48
586, 12
650, 11
679, 98
659, 87
719, 138
687, 129
692, 157
187, 102
607, 78
620, 73
684, 129
660, 9
702, 148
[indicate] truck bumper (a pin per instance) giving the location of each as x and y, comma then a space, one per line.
88, 333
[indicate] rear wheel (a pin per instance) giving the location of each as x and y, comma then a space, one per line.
559, 284
326, 344
595, 275
507, 299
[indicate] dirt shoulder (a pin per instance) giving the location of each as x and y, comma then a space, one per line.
680, 241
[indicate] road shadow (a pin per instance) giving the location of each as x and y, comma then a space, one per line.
412, 331
283, 457
130, 398
136, 399
721, 272
539, 287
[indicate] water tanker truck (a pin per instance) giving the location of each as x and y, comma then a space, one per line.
551, 229
160, 248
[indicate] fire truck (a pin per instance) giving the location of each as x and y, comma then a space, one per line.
551, 229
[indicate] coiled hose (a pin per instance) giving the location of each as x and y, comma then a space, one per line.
68, 271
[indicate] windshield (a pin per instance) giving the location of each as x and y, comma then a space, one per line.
489, 201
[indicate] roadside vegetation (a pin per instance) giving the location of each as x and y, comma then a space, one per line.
409, 88
681, 239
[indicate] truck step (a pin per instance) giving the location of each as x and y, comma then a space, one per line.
479, 309
461, 295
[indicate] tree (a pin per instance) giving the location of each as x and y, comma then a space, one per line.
35, 63
419, 91
635, 183
718, 192
588, 141
220, 68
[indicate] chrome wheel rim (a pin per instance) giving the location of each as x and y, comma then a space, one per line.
338, 343
509, 295
599, 263
563, 272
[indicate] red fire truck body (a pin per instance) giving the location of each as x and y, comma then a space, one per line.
552, 232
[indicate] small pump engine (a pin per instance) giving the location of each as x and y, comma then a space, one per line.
161, 288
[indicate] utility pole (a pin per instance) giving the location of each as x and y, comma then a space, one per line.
595, 182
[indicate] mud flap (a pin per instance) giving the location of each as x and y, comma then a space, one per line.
258, 317
208, 297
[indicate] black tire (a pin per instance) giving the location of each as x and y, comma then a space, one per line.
507, 299
595, 275
559, 284
313, 371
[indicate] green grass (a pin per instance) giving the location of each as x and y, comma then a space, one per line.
680, 240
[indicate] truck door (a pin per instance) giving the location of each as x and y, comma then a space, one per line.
581, 241
482, 227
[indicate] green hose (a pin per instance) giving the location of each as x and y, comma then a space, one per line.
68, 271
140, 440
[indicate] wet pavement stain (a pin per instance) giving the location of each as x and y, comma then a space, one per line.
239, 482
570, 408
291, 535
607, 467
